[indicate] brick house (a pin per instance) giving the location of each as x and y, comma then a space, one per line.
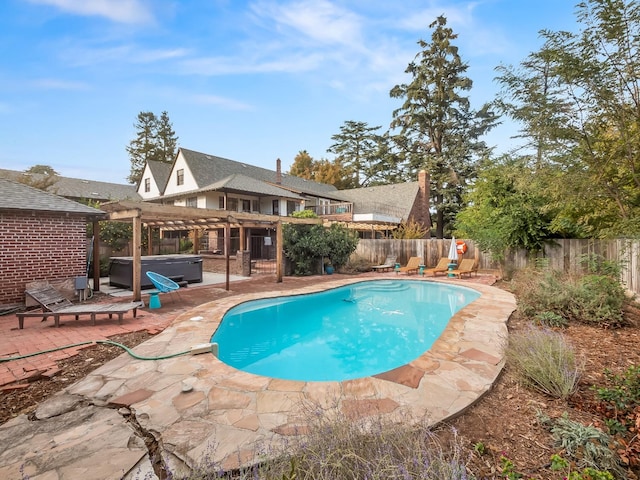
42, 237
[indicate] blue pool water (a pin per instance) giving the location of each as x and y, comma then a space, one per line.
348, 332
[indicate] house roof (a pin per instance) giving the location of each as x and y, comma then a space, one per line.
209, 169
397, 198
18, 196
160, 172
242, 183
79, 188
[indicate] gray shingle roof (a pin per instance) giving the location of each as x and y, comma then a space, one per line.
209, 169
160, 172
242, 183
17, 196
400, 196
78, 188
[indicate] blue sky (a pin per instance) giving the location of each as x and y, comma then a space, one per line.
247, 80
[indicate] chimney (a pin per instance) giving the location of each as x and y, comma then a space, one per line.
278, 171
423, 198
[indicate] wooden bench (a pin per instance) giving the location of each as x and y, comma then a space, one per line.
55, 305
92, 310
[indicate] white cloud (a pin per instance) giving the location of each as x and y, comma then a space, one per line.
56, 84
318, 20
475, 37
122, 11
210, 66
130, 54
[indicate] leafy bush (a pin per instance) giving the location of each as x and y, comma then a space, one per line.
551, 319
587, 446
185, 245
541, 291
306, 245
622, 398
544, 361
597, 299
548, 294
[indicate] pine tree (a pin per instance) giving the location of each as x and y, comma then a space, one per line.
166, 138
155, 141
439, 131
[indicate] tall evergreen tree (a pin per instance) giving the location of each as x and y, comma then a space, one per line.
357, 146
155, 140
166, 138
439, 131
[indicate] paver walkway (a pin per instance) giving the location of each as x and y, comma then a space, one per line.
187, 404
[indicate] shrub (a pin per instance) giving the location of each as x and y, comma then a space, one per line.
549, 295
356, 264
410, 230
185, 245
338, 447
621, 398
597, 299
551, 319
587, 446
374, 448
306, 245
544, 361
541, 291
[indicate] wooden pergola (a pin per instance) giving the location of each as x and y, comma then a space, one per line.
171, 217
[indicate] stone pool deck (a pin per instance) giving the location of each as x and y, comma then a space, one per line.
193, 407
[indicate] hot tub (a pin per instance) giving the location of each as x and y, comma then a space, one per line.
187, 268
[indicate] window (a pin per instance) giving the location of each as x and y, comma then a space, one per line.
192, 202
147, 184
255, 206
275, 206
291, 207
246, 205
221, 202
232, 204
180, 177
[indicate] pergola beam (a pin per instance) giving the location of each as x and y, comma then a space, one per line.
172, 217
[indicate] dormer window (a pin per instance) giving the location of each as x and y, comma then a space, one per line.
180, 177
147, 184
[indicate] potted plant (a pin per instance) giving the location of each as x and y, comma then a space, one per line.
328, 266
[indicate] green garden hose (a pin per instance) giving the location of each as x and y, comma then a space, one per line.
105, 342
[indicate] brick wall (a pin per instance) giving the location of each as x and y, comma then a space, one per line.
39, 247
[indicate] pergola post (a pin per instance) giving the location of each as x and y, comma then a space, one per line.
279, 240
242, 238
227, 247
196, 240
149, 240
137, 257
96, 256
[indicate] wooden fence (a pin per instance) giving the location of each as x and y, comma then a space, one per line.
564, 255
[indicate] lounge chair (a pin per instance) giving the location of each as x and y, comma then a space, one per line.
388, 264
163, 285
54, 304
466, 267
441, 267
413, 265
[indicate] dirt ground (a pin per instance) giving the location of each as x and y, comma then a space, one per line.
504, 421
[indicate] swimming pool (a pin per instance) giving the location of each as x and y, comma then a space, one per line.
349, 332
